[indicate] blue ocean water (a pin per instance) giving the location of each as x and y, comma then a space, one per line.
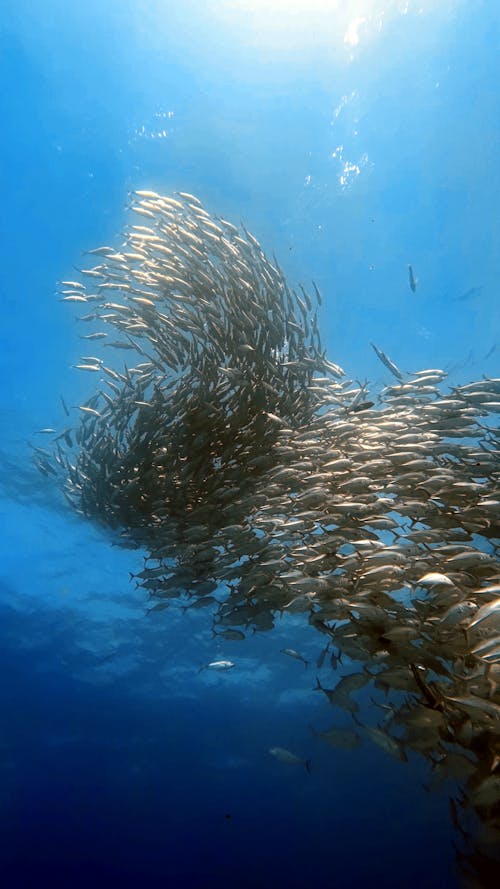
353, 139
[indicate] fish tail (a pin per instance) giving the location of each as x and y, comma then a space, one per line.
307, 766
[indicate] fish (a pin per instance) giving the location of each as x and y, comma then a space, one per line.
76, 285
322, 656
345, 738
94, 336
476, 706
469, 294
412, 279
457, 613
362, 406
339, 696
434, 578
487, 793
386, 741
387, 362
489, 650
230, 635
289, 758
295, 654
238, 457
217, 666
486, 612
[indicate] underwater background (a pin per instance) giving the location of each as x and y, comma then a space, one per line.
353, 139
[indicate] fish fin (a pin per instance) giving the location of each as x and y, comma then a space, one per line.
307, 765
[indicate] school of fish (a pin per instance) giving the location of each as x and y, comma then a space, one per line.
260, 480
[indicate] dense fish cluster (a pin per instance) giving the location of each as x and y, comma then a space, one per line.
260, 481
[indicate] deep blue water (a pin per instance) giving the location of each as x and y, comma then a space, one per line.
121, 764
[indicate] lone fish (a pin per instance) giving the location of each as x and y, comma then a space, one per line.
295, 654
412, 279
219, 666
289, 758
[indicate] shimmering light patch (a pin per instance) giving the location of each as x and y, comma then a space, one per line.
352, 34
155, 128
343, 102
348, 170
339, 24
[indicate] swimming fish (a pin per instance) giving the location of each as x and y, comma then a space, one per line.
231, 451
289, 758
412, 279
295, 654
387, 362
217, 666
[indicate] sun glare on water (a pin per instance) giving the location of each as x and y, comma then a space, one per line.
340, 24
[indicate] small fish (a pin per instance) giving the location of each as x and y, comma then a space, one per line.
88, 410
335, 659
159, 607
230, 635
147, 194
93, 336
66, 434
388, 363
492, 608
289, 758
489, 650
363, 406
455, 820
344, 738
487, 793
457, 613
434, 578
469, 294
218, 666
92, 367
73, 298
477, 707
321, 659
295, 654
384, 740
75, 284
412, 279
